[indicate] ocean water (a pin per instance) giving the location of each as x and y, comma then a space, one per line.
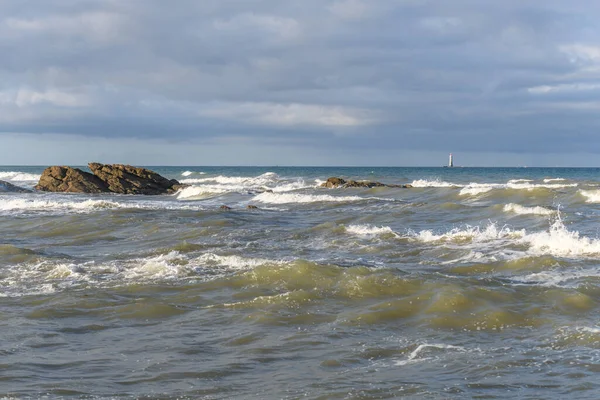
475, 283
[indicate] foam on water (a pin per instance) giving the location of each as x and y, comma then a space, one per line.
286, 198
522, 210
592, 196
421, 183
199, 192
51, 276
553, 180
474, 189
370, 230
22, 204
17, 176
469, 233
557, 241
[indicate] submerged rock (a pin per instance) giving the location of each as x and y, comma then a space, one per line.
9, 187
335, 182
252, 207
224, 207
70, 180
106, 178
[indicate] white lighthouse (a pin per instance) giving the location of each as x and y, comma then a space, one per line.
450, 161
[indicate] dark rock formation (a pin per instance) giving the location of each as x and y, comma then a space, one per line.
126, 179
251, 207
71, 180
224, 207
106, 178
9, 187
335, 182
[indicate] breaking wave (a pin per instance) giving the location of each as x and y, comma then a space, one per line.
286, 198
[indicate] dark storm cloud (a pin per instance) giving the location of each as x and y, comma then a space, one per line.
475, 76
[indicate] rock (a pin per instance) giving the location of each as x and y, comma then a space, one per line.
251, 207
224, 207
126, 179
335, 182
9, 187
71, 180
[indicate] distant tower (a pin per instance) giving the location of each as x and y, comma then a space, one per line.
450, 161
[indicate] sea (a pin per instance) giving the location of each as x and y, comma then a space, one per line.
479, 283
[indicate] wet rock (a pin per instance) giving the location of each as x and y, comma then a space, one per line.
224, 207
335, 182
70, 180
126, 179
251, 207
9, 187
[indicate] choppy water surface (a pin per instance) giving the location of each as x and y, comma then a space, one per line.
476, 283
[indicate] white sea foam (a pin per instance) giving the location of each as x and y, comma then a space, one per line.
370, 230
186, 173
199, 192
474, 189
286, 198
512, 181
559, 241
469, 233
592, 196
553, 180
433, 183
522, 210
19, 176
244, 181
531, 186
49, 277
40, 205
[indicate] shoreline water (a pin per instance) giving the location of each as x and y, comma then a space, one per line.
475, 282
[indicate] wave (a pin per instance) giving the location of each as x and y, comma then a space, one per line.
469, 233
19, 176
261, 180
522, 210
188, 173
517, 181
421, 183
199, 192
592, 196
48, 277
370, 230
557, 241
474, 189
42, 205
554, 180
286, 198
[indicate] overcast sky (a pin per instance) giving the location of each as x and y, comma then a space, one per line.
300, 82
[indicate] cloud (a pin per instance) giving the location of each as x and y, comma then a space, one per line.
421, 75
291, 115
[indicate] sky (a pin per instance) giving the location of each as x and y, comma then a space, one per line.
300, 82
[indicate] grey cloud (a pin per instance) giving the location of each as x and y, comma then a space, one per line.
475, 76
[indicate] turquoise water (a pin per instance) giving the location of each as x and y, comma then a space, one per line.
475, 283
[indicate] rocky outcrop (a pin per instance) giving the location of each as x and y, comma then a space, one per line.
335, 182
9, 187
126, 179
70, 180
106, 178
